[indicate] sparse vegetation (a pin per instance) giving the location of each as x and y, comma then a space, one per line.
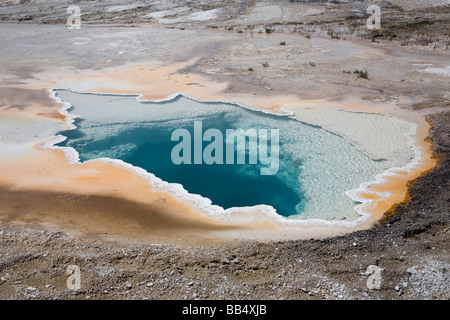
282, 43
265, 64
312, 64
416, 30
419, 24
268, 30
362, 74
251, 69
333, 35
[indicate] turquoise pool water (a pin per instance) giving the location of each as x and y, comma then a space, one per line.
316, 167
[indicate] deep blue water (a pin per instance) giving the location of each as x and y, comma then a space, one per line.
316, 167
148, 145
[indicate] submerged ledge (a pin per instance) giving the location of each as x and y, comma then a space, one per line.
367, 197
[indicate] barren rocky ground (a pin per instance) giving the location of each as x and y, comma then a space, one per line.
233, 39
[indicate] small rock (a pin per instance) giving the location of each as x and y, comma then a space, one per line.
161, 200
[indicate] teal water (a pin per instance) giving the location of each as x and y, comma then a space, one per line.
148, 145
316, 167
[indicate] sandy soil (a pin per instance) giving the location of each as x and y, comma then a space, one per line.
64, 218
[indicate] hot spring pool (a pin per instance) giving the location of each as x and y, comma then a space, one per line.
315, 168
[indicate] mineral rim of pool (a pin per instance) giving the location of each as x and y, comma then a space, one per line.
317, 167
